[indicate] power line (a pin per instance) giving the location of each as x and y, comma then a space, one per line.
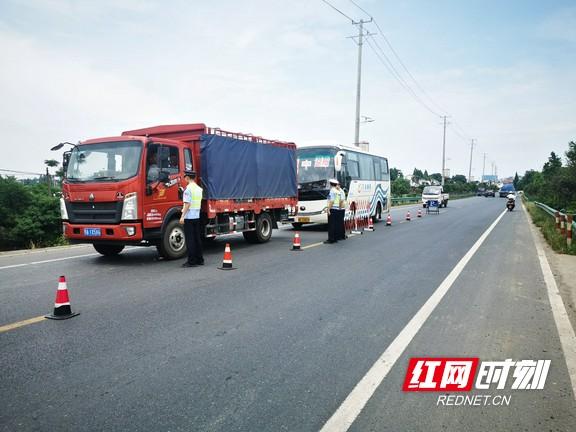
20, 172
338, 10
390, 66
398, 58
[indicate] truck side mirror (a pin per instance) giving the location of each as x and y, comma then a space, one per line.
66, 161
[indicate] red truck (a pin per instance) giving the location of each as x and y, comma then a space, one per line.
127, 190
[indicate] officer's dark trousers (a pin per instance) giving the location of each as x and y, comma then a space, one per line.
193, 240
340, 231
333, 225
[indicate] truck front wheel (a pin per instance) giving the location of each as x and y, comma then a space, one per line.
172, 244
108, 250
263, 229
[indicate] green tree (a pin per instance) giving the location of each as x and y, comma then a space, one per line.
459, 178
571, 155
417, 174
28, 215
516, 180
52, 163
395, 173
553, 166
400, 186
437, 177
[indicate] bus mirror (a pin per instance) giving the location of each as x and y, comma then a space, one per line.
339, 161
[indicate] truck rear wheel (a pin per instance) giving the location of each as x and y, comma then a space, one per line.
263, 230
107, 249
172, 244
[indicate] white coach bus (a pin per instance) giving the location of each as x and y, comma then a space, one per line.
364, 177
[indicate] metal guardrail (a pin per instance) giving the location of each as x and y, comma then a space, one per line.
406, 200
552, 212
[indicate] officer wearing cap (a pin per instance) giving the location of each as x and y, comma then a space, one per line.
333, 205
191, 220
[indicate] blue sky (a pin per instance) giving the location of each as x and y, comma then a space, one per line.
504, 71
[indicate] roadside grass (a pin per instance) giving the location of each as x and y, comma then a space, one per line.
547, 226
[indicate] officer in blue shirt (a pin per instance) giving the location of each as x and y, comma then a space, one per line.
191, 220
333, 207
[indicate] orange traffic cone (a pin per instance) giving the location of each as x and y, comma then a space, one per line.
296, 242
227, 260
408, 216
370, 224
389, 220
419, 213
62, 309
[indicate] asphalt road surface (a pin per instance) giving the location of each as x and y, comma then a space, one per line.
281, 342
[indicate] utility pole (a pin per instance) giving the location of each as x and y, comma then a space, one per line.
483, 168
360, 36
471, 152
444, 150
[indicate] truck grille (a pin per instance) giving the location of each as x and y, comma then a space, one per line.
95, 212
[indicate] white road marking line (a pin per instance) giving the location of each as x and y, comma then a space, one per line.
39, 251
355, 402
565, 330
47, 261
60, 259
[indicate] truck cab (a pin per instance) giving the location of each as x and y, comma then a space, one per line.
434, 193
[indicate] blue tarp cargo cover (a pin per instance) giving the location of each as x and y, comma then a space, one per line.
241, 169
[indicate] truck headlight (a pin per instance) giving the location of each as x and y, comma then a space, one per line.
63, 211
130, 206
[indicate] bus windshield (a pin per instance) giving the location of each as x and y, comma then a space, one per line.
315, 165
107, 161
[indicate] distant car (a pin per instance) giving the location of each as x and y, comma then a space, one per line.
506, 189
490, 193
481, 192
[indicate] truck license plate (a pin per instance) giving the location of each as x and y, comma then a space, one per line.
303, 219
92, 232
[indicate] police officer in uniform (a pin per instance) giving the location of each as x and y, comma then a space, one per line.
333, 205
191, 220
341, 230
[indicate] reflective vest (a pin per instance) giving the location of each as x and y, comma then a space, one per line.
196, 196
336, 203
342, 199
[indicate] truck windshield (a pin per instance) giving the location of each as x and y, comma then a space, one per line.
107, 161
432, 190
315, 165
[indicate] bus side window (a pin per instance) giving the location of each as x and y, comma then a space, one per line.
353, 166
188, 166
366, 167
385, 172
377, 170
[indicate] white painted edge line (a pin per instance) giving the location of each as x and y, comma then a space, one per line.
48, 261
355, 402
25, 252
563, 325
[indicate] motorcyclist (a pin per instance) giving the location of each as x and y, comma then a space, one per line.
510, 201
